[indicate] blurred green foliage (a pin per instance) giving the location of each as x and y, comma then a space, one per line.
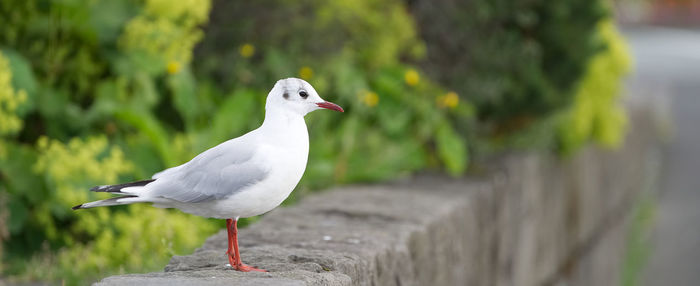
517, 61
638, 244
79, 81
596, 112
104, 91
351, 52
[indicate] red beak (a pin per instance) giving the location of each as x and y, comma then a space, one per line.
330, 105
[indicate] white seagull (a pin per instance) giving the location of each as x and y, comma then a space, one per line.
242, 177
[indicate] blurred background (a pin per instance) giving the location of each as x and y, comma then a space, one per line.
665, 39
103, 91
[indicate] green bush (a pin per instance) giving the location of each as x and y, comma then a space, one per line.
597, 113
517, 61
78, 83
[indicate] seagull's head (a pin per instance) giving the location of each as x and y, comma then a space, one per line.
298, 96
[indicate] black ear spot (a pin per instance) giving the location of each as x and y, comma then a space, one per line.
303, 94
285, 95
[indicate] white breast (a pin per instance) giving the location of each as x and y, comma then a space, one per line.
285, 149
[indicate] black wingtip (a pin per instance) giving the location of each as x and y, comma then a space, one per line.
97, 188
77, 207
117, 187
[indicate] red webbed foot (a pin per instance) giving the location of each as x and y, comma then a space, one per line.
237, 265
247, 268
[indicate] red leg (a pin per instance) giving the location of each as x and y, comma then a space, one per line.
234, 257
230, 253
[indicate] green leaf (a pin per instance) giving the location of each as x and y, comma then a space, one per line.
17, 173
234, 115
145, 94
150, 127
51, 102
451, 149
22, 78
182, 86
108, 18
18, 215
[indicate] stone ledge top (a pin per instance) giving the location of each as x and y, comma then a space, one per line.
329, 238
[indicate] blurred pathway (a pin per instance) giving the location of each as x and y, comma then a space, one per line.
668, 65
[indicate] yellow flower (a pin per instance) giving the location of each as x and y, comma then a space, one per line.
411, 77
247, 50
306, 73
450, 99
369, 98
173, 67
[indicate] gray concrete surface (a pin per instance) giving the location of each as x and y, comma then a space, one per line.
668, 70
358, 235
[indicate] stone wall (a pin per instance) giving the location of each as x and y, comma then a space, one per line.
532, 219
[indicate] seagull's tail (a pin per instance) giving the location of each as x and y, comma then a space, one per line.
123, 200
119, 189
116, 189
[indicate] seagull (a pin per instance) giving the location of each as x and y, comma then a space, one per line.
242, 177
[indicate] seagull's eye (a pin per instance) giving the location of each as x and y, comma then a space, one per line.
303, 94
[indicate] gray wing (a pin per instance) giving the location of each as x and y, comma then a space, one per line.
167, 171
215, 174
